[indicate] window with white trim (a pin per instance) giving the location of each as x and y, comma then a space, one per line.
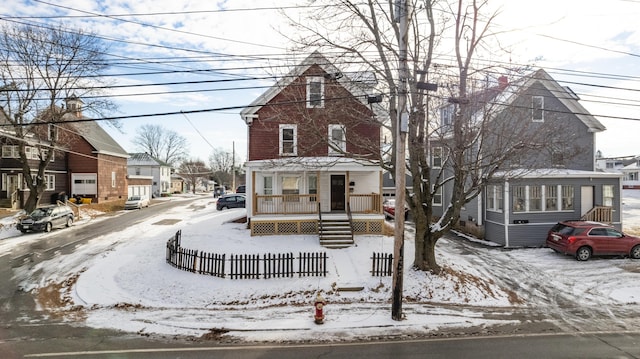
50, 182
315, 92
337, 139
291, 188
607, 195
519, 198
551, 198
313, 188
113, 179
436, 200
436, 157
535, 198
494, 198
567, 198
10, 151
537, 108
288, 140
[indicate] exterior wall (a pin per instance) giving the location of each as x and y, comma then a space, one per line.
529, 229
289, 107
107, 189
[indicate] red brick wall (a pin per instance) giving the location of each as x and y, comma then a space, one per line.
289, 107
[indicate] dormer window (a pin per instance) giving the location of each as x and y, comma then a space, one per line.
315, 92
537, 109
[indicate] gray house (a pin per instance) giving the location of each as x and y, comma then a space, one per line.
553, 178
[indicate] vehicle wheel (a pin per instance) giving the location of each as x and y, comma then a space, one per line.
583, 253
23, 230
47, 227
69, 222
635, 252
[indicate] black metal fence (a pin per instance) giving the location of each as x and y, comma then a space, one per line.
245, 266
381, 264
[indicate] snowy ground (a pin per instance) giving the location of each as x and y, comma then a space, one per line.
121, 281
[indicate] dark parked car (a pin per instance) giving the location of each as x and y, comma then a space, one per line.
231, 201
241, 189
46, 218
584, 239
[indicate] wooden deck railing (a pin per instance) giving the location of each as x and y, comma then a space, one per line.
308, 203
599, 214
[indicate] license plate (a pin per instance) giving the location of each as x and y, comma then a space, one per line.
25, 227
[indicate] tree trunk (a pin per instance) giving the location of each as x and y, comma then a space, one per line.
425, 256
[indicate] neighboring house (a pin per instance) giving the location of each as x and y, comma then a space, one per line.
177, 184
97, 164
13, 190
143, 164
613, 164
545, 184
631, 173
313, 151
89, 163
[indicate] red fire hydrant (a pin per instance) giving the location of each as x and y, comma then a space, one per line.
319, 306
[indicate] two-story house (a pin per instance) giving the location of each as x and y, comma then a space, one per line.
313, 153
553, 177
143, 164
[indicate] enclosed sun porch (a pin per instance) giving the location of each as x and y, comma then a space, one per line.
295, 198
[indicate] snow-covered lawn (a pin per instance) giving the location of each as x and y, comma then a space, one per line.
122, 281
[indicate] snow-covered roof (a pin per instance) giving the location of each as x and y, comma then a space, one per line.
553, 173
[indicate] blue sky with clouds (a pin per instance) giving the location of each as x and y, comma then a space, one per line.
584, 37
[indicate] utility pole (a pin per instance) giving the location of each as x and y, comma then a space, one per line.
402, 125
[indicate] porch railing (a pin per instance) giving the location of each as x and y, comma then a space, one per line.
308, 203
599, 214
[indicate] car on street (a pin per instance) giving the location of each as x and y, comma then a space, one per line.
389, 209
584, 239
136, 202
46, 218
241, 189
231, 201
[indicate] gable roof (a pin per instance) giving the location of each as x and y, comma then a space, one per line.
564, 95
144, 159
315, 58
99, 139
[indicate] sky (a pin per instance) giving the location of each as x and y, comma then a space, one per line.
121, 281
590, 47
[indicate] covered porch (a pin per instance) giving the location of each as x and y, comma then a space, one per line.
286, 197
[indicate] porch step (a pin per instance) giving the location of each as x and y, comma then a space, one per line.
335, 233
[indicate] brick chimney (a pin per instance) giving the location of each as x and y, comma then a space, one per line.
503, 82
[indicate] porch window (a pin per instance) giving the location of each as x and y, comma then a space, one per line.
607, 195
551, 198
291, 188
313, 188
494, 198
315, 92
519, 198
567, 198
337, 139
436, 157
535, 198
288, 140
537, 109
113, 179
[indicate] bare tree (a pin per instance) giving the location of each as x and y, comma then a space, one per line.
194, 172
475, 145
222, 165
39, 68
166, 145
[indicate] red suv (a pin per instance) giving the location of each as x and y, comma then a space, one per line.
583, 239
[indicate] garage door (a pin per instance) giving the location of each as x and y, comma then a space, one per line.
84, 184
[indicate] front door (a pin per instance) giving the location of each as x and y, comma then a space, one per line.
338, 192
586, 202
12, 186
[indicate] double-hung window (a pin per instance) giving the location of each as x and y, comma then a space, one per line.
315, 92
288, 140
436, 157
607, 195
537, 109
337, 140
